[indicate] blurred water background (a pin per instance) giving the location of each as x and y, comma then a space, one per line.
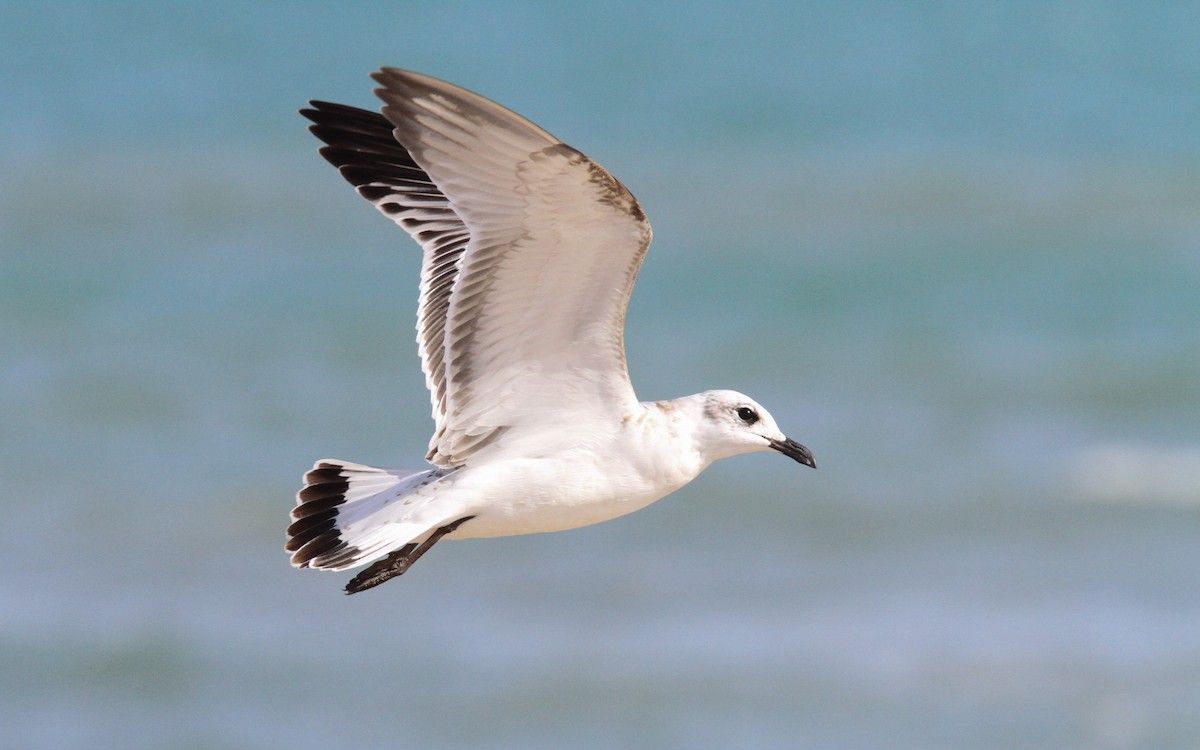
954, 247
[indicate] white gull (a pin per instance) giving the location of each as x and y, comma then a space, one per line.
530, 253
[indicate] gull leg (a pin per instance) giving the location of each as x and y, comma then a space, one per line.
399, 561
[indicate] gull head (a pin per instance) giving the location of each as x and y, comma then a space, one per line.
733, 423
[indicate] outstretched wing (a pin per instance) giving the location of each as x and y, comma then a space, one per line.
531, 251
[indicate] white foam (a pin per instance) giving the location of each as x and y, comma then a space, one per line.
1138, 474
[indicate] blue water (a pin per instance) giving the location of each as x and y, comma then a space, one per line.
955, 249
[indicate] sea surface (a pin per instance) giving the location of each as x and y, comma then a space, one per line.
953, 247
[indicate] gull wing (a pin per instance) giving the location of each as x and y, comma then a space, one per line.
530, 254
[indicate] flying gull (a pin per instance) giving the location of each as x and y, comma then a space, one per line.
530, 253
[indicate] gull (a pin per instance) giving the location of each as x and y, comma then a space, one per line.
530, 251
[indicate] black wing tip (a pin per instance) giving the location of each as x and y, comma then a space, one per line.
344, 117
318, 110
362, 145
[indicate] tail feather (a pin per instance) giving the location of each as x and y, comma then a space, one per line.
345, 515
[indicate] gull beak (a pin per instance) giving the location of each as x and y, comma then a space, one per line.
794, 450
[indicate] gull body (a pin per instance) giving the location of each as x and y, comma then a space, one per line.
530, 253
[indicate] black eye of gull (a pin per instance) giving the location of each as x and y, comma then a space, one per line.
747, 415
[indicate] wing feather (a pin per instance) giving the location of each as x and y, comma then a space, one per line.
362, 146
531, 251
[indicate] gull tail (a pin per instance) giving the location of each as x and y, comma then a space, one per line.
349, 514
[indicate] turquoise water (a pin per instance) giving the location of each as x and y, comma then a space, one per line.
955, 249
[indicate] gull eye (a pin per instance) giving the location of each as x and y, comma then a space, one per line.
747, 415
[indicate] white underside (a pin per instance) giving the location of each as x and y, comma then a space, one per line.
508, 493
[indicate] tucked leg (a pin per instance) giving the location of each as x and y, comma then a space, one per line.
399, 561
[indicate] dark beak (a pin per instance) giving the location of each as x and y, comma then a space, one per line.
794, 450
